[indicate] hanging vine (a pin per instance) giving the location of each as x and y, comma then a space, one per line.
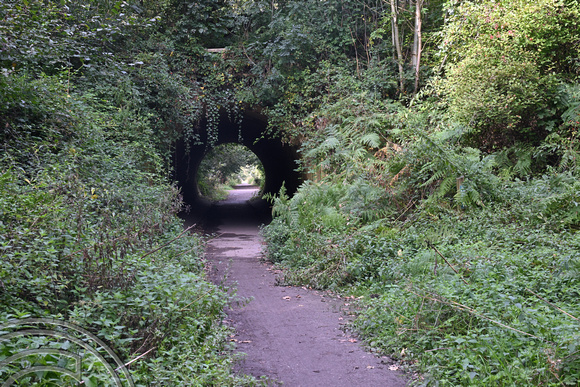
218, 96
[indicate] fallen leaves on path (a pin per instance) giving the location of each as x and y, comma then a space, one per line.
241, 341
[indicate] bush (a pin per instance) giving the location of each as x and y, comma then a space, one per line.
464, 295
89, 234
505, 62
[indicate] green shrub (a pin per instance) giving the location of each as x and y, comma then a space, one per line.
89, 234
466, 296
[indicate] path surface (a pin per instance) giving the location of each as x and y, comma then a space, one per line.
291, 335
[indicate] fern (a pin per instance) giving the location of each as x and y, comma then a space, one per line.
565, 206
372, 140
280, 203
438, 165
566, 147
515, 161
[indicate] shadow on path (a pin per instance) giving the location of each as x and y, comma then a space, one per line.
242, 209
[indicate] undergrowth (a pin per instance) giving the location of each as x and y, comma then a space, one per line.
89, 235
467, 297
465, 273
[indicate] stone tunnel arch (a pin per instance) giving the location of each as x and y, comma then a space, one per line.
278, 159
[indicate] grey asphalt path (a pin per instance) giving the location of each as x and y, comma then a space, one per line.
291, 335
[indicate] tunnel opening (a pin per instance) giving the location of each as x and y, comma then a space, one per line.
279, 161
229, 166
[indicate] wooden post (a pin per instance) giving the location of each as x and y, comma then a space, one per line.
460, 180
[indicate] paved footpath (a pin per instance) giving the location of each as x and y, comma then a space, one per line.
291, 335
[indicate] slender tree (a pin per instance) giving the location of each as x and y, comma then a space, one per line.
417, 43
397, 44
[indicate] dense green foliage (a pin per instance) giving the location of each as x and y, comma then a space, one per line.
507, 66
444, 191
489, 310
89, 235
89, 108
453, 215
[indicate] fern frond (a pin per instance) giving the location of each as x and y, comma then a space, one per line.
446, 185
523, 165
372, 140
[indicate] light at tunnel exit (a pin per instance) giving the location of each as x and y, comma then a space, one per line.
278, 159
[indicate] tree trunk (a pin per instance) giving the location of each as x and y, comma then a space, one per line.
417, 43
415, 38
397, 44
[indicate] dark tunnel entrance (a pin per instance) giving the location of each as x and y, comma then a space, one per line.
278, 160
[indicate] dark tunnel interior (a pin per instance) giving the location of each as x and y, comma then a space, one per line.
278, 160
